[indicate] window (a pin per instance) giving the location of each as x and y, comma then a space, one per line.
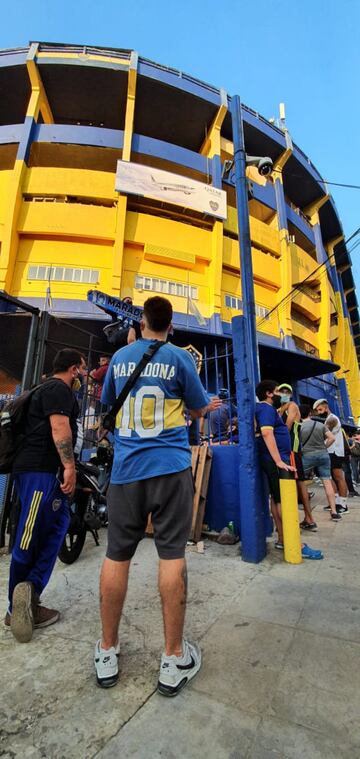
237, 305
165, 286
63, 274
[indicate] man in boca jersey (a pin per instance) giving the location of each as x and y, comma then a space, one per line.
151, 474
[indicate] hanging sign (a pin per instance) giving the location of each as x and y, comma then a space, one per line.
135, 179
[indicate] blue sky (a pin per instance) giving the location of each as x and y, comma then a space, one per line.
301, 52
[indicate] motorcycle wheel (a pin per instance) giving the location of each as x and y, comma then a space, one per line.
74, 540
72, 545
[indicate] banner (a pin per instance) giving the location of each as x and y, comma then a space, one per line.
135, 179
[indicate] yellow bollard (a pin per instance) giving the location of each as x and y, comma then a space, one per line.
290, 518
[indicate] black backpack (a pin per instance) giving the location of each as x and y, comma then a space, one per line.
12, 428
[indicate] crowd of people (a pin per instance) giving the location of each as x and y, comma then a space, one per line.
151, 474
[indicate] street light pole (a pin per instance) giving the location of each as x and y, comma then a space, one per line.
246, 270
253, 509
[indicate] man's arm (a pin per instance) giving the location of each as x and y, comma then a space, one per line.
270, 442
212, 406
292, 414
329, 438
62, 437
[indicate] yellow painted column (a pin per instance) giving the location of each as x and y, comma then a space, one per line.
38, 103
290, 517
118, 248
325, 308
37, 86
286, 282
211, 148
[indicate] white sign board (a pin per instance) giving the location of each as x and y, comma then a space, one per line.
135, 179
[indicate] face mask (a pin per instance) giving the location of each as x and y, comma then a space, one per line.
285, 398
276, 399
323, 415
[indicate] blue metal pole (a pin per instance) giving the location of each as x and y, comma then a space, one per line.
246, 270
252, 503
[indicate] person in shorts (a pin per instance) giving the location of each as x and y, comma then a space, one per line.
315, 441
151, 474
274, 448
336, 451
290, 414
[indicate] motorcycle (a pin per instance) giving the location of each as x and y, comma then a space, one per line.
88, 509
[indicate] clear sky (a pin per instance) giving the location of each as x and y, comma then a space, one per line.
301, 52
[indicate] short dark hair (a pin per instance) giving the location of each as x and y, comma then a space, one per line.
65, 358
265, 386
158, 312
305, 410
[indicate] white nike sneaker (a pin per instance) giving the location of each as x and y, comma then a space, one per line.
177, 671
106, 665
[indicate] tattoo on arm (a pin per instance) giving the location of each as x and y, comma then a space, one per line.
185, 584
65, 450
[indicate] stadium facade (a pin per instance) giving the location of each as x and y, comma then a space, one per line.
68, 114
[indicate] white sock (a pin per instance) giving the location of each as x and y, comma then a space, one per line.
342, 502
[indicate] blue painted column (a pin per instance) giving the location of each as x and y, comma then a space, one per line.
246, 364
254, 517
246, 269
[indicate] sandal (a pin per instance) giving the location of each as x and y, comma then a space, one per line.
308, 526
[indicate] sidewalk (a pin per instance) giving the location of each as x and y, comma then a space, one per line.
281, 660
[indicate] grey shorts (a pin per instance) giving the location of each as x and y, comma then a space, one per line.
168, 498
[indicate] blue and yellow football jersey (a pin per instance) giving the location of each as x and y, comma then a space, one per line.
150, 433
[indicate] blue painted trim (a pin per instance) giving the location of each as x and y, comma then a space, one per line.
179, 81
319, 247
88, 63
26, 139
169, 152
345, 398
216, 171
306, 163
280, 204
300, 223
263, 126
11, 133
79, 135
13, 59
265, 194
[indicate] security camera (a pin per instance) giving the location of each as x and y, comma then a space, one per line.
264, 165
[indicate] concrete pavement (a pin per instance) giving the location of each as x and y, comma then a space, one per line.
281, 653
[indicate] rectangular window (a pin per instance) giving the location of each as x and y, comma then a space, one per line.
165, 286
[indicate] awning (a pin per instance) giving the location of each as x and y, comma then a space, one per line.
283, 365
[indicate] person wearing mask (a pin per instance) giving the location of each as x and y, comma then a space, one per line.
274, 448
45, 478
290, 414
222, 417
98, 377
336, 451
315, 441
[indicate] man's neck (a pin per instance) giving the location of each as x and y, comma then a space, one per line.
147, 334
65, 378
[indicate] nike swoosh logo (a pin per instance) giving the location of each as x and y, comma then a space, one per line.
186, 666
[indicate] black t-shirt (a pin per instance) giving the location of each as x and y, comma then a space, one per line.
37, 452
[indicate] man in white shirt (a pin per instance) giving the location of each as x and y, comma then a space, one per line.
336, 451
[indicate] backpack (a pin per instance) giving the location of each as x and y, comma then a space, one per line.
12, 428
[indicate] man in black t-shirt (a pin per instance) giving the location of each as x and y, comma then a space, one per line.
44, 474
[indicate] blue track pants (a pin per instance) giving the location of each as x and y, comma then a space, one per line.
43, 523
